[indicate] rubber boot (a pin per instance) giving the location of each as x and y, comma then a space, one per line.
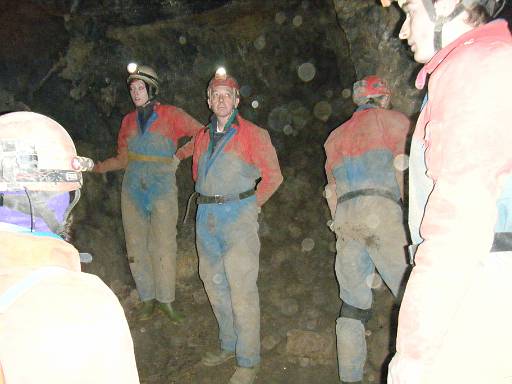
174, 316
146, 310
212, 359
244, 375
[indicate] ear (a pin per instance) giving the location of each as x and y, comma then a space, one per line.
209, 103
237, 101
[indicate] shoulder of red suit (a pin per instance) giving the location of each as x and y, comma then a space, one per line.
248, 126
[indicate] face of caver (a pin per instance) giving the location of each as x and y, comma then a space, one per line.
418, 30
222, 101
138, 92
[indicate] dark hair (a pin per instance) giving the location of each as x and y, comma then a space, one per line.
477, 15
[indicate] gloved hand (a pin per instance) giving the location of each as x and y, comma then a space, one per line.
98, 167
174, 163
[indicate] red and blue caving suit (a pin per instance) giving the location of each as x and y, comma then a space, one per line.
149, 198
227, 234
454, 322
368, 221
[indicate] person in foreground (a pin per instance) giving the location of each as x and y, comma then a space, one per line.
57, 324
454, 323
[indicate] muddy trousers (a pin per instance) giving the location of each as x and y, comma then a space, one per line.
151, 246
370, 236
228, 246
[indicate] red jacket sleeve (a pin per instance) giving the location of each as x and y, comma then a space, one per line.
186, 126
124, 133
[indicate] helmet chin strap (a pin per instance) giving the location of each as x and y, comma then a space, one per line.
440, 21
62, 226
46, 209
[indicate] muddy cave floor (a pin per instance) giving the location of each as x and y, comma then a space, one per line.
299, 305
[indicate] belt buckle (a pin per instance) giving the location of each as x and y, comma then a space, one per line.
218, 199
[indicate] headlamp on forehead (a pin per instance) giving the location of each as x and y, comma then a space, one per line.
132, 68
221, 78
220, 73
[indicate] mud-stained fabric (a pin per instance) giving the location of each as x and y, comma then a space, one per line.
369, 229
227, 234
370, 239
228, 246
462, 141
151, 246
66, 327
147, 181
149, 196
360, 152
242, 156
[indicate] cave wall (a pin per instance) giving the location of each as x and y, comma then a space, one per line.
295, 60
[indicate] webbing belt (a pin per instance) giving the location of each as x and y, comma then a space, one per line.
368, 192
219, 199
132, 156
502, 242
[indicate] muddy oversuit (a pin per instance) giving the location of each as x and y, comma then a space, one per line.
367, 221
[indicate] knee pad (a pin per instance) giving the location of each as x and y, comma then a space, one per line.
351, 312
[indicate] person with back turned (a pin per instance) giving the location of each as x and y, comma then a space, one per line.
57, 324
365, 184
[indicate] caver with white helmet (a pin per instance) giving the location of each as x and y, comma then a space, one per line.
56, 324
40, 172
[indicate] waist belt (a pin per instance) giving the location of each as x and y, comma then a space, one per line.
368, 192
221, 199
132, 156
502, 242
